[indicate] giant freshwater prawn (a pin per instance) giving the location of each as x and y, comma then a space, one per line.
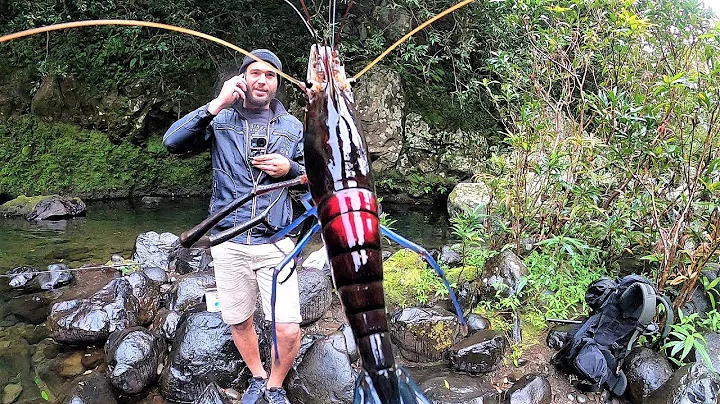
342, 198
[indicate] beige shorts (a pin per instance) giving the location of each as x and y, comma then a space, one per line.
243, 270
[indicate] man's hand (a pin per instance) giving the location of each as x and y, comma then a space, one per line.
275, 165
232, 90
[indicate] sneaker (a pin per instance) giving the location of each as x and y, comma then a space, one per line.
255, 391
276, 395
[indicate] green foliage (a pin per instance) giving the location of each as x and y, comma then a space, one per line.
414, 183
43, 158
684, 338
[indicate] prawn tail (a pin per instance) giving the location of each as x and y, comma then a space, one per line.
388, 386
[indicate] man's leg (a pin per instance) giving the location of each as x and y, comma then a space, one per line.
246, 341
287, 307
288, 335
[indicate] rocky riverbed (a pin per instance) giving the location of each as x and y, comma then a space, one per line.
140, 332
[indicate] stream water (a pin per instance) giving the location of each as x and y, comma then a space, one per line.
111, 227
40, 369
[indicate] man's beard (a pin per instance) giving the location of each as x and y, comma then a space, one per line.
253, 102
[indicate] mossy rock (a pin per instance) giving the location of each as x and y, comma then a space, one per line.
22, 205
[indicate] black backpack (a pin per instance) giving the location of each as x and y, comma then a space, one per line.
620, 311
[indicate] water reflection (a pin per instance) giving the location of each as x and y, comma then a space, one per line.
111, 227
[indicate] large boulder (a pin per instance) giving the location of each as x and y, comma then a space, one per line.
646, 371
482, 352
165, 323
469, 197
153, 249
213, 395
530, 389
57, 208
185, 260
91, 320
189, 290
501, 274
712, 345
325, 374
315, 294
46, 207
424, 334
147, 294
439, 152
204, 352
92, 388
447, 387
692, 384
133, 356
380, 104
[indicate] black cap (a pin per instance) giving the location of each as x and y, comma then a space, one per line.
262, 54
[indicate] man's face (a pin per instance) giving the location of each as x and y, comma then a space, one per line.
262, 85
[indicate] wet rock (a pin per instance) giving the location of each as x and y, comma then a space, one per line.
315, 294
530, 389
698, 303
692, 384
386, 254
133, 356
344, 340
91, 320
88, 282
33, 334
11, 392
450, 257
189, 290
23, 275
165, 323
152, 249
213, 395
482, 352
558, 335
93, 357
476, 322
646, 370
15, 357
712, 345
147, 294
157, 275
467, 295
424, 334
325, 375
185, 260
151, 202
380, 108
446, 387
56, 208
203, 352
468, 197
90, 389
72, 364
32, 309
501, 274
57, 275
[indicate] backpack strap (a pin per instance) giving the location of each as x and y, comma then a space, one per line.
644, 313
669, 318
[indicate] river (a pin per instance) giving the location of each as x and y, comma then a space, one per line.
111, 227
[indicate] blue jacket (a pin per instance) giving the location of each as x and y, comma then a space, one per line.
227, 135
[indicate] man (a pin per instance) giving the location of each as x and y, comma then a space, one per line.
254, 140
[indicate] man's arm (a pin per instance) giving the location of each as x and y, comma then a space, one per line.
185, 134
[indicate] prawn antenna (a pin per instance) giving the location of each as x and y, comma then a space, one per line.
305, 20
411, 33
